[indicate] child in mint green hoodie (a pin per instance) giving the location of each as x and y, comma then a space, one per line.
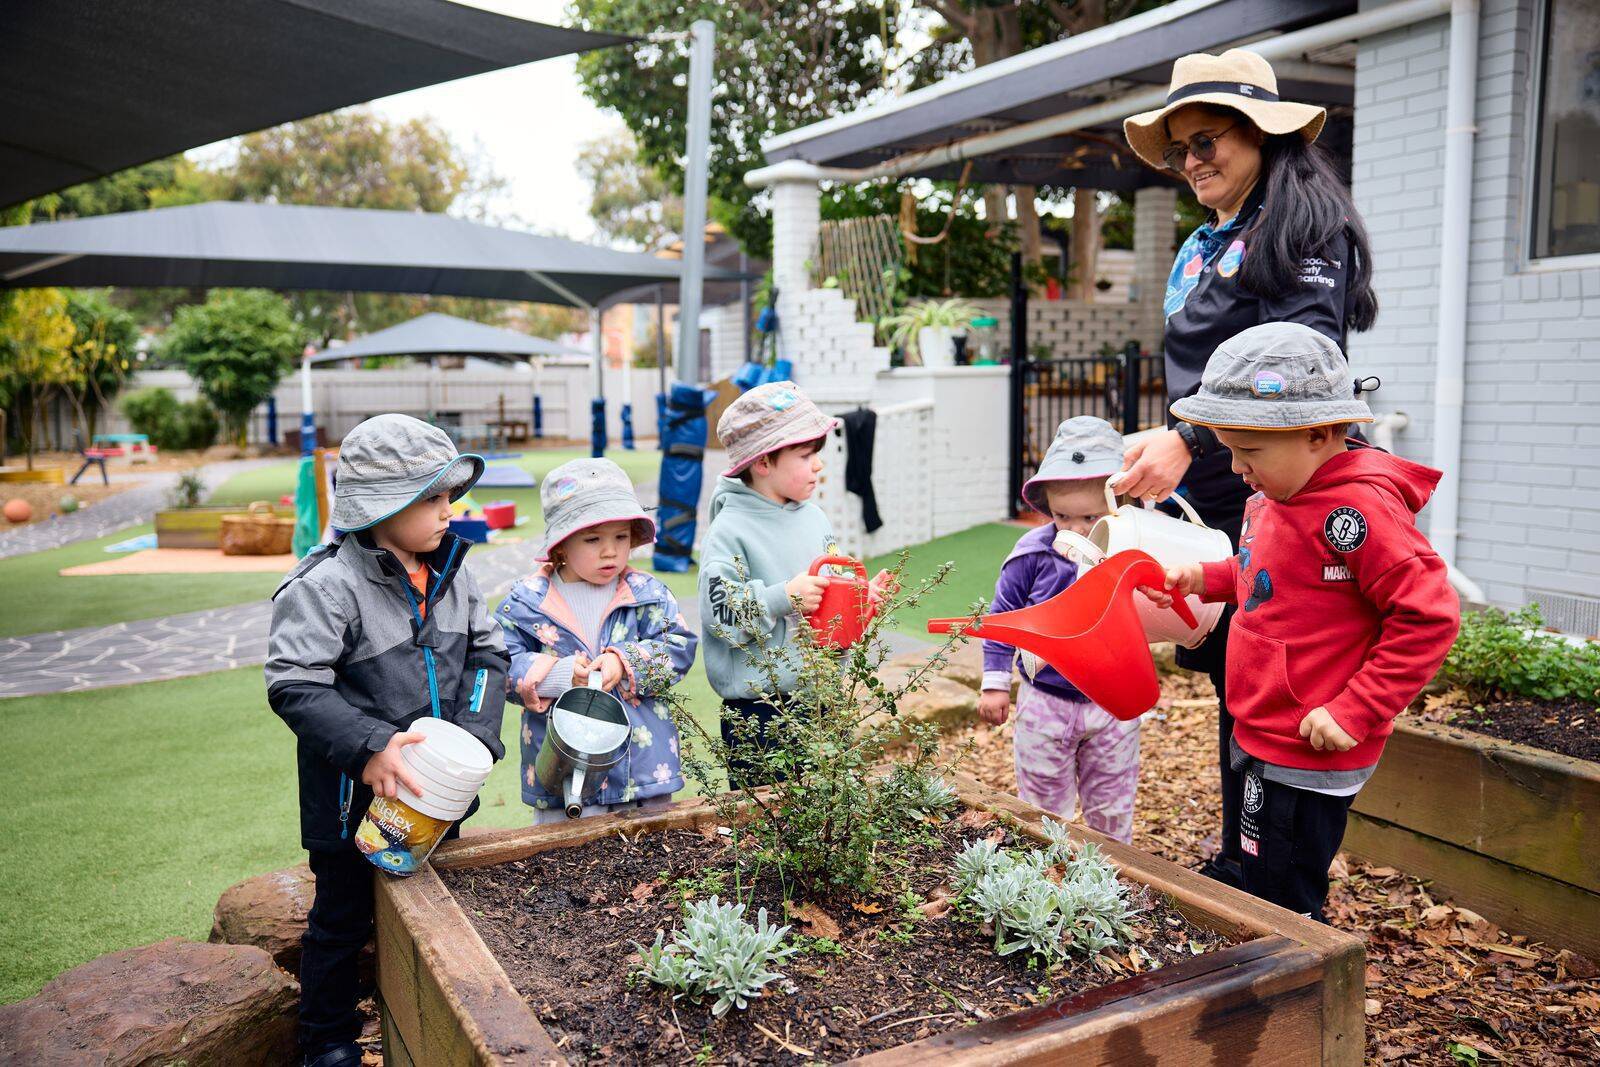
763, 536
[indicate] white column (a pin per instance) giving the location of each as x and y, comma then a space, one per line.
796, 220
1154, 245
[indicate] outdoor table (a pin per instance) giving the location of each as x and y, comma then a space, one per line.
134, 447
490, 437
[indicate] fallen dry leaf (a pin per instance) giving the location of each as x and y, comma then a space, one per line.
1372, 1007
975, 819
867, 907
814, 922
643, 890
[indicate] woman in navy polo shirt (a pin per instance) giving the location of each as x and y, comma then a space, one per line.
1284, 243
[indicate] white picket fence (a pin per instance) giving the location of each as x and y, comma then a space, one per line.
464, 396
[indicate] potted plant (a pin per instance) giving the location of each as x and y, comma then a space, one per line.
928, 327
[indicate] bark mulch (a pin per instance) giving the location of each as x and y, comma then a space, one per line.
565, 927
1444, 985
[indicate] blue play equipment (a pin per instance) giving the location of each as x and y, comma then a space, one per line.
597, 426
627, 426
683, 438
538, 416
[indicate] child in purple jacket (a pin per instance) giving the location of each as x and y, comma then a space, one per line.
1070, 752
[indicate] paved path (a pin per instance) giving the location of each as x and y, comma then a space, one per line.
128, 508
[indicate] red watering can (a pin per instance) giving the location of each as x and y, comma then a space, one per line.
1090, 632
846, 607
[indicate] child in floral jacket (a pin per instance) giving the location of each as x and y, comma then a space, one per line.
585, 610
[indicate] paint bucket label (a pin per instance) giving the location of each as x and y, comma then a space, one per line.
396, 837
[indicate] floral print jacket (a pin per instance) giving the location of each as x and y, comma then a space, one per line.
641, 624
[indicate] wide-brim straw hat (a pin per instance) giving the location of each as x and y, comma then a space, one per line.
1237, 79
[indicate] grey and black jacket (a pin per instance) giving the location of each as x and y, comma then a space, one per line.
354, 658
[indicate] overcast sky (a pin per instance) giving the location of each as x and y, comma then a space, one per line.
526, 123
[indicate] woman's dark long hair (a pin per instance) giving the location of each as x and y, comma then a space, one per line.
1306, 206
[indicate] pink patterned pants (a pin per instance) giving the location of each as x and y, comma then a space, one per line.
1074, 754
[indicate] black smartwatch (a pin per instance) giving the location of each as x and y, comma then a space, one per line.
1191, 440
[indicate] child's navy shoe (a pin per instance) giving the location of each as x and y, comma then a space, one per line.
336, 1056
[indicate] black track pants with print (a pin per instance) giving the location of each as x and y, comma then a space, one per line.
1287, 839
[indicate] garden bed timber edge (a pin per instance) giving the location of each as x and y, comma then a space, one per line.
1289, 988
1507, 829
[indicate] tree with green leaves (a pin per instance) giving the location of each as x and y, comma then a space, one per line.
628, 201
237, 345
36, 336
782, 64
101, 354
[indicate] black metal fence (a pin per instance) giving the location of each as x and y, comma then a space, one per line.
1128, 390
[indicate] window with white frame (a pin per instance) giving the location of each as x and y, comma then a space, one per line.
1566, 168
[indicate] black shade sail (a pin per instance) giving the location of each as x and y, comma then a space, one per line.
435, 334
90, 87
289, 246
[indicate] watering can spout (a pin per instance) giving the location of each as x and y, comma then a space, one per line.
574, 793
1090, 632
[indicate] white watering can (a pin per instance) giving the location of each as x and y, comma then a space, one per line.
1173, 542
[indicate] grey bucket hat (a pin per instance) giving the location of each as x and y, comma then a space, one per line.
388, 462
1084, 447
1276, 376
585, 493
767, 418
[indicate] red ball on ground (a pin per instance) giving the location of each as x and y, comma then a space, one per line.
18, 510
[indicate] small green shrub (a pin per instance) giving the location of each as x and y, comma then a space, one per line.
189, 491
1086, 911
831, 820
169, 423
717, 954
1505, 654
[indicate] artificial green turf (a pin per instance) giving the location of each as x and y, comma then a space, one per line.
39, 599
977, 554
129, 811
275, 480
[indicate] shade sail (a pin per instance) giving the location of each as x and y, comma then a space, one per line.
90, 87
289, 246
436, 334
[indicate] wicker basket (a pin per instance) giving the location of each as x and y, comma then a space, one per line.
257, 532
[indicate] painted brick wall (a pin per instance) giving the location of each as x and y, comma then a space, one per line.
1530, 473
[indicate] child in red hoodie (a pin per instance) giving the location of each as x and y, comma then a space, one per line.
1345, 611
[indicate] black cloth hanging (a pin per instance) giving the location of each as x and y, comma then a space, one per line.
860, 428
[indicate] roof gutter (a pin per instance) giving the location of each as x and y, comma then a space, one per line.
1287, 46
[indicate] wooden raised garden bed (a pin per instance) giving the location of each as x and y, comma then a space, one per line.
1511, 831
201, 527
1281, 989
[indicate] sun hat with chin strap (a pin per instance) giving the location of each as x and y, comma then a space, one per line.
1237, 79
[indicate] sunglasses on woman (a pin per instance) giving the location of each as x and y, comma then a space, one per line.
1203, 146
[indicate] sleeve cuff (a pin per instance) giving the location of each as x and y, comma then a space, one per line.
997, 680
1219, 581
559, 680
1353, 716
775, 599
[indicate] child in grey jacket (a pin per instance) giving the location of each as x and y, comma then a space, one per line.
763, 535
370, 633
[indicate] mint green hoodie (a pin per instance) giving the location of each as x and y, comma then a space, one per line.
775, 542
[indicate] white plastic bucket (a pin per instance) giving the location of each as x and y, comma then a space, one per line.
399, 834
1172, 542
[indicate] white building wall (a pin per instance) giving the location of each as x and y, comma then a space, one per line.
1530, 470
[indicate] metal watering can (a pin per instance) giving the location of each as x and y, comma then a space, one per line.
586, 734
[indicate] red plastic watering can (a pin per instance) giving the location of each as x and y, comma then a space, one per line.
1090, 632
846, 607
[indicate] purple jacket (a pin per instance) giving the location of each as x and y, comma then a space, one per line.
1032, 574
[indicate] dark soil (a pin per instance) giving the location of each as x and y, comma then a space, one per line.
564, 926
1567, 727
